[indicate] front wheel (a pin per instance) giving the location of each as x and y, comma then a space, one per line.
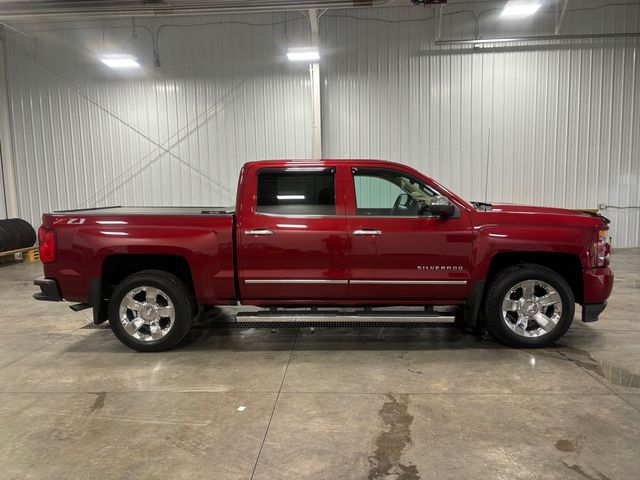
529, 305
151, 311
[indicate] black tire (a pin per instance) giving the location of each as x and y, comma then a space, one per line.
5, 239
16, 233
500, 286
183, 302
25, 233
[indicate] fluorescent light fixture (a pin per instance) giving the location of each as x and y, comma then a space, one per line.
120, 61
303, 54
520, 8
290, 197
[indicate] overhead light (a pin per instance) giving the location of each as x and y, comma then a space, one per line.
520, 8
303, 54
120, 61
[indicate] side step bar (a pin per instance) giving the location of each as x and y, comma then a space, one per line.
343, 318
359, 315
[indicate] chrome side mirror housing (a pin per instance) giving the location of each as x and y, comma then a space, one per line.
440, 206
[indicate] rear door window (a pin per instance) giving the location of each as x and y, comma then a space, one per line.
293, 191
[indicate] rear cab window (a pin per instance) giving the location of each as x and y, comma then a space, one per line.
296, 191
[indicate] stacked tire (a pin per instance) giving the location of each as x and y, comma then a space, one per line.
16, 233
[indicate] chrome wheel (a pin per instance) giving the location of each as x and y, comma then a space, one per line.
532, 308
146, 313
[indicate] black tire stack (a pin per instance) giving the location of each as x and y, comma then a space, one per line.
16, 233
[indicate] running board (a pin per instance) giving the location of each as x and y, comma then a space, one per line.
79, 306
280, 324
338, 316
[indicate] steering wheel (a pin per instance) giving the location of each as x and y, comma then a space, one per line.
398, 206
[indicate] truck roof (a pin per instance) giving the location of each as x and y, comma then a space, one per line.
329, 162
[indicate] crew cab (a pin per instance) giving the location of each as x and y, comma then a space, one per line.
357, 233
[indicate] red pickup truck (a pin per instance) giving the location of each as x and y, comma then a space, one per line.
361, 233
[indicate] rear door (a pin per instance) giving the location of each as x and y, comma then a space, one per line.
396, 253
291, 236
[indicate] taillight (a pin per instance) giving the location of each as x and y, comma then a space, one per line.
46, 245
602, 249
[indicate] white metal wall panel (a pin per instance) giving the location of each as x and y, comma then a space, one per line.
564, 118
3, 205
86, 135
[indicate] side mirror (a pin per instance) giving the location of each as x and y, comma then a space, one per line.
440, 206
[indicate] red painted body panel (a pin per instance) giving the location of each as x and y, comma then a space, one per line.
300, 248
598, 284
324, 248
205, 241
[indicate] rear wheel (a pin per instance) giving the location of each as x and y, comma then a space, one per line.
151, 311
529, 305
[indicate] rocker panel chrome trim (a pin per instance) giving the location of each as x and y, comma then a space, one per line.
357, 282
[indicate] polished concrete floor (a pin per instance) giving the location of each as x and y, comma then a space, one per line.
364, 403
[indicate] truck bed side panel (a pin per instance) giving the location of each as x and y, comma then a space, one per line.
204, 241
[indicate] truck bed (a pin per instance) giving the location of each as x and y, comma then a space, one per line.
93, 241
127, 211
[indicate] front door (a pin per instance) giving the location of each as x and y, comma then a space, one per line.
292, 240
397, 253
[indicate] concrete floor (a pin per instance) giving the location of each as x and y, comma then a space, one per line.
367, 403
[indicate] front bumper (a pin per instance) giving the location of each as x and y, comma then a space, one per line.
598, 283
49, 290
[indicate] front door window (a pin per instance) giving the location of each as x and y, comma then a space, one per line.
385, 192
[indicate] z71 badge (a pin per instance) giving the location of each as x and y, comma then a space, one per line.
70, 221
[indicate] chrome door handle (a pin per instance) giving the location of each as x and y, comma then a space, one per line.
259, 231
367, 231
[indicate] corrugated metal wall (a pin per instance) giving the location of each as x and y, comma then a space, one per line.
3, 206
564, 118
86, 135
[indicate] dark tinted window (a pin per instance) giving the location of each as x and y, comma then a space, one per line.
296, 192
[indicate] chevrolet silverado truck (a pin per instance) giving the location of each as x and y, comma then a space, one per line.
340, 233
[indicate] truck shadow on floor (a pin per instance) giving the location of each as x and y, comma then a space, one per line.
218, 328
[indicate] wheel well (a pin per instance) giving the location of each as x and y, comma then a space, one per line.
565, 264
118, 267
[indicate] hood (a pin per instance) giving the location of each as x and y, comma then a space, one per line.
543, 215
499, 207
